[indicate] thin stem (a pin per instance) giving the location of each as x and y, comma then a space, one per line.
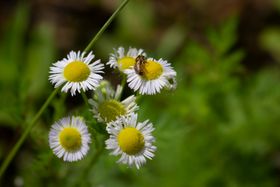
138, 97
99, 150
25, 133
30, 125
123, 80
104, 27
94, 159
123, 84
84, 96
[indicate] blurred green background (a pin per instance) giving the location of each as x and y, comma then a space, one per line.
220, 127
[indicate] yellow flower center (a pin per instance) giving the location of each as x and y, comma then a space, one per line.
76, 71
131, 140
126, 62
109, 110
152, 70
70, 139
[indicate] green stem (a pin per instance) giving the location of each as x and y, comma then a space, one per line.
30, 125
83, 177
93, 160
92, 42
85, 99
15, 149
123, 84
138, 97
123, 80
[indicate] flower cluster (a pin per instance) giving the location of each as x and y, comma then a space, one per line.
146, 75
132, 140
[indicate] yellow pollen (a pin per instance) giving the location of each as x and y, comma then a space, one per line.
152, 70
76, 71
126, 62
131, 140
111, 109
70, 139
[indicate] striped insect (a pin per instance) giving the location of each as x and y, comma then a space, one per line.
139, 65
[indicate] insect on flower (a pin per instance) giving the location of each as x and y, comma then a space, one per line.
139, 66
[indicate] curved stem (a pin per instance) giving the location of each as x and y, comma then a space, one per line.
104, 27
32, 123
15, 149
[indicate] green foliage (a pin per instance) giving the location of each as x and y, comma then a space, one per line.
220, 127
270, 41
23, 76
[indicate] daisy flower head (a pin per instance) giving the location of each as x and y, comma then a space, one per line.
150, 76
131, 139
124, 60
69, 138
106, 104
76, 72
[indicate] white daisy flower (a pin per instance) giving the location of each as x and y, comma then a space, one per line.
77, 72
69, 138
106, 104
131, 139
155, 75
124, 60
